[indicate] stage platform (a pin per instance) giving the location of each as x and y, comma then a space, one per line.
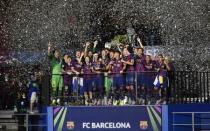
99, 118
188, 117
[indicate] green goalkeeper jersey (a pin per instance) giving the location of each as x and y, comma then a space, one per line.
56, 64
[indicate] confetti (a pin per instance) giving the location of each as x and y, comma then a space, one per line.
178, 28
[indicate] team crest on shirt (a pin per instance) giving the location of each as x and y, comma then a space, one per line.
138, 60
70, 125
78, 66
143, 125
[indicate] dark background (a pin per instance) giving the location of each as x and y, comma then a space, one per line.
179, 28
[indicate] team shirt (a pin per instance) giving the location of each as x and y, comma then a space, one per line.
67, 66
76, 65
97, 66
162, 69
56, 64
33, 87
140, 63
105, 62
117, 66
129, 68
87, 71
149, 66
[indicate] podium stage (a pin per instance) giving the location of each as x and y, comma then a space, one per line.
174, 117
101, 118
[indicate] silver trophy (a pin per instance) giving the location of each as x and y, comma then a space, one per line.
131, 35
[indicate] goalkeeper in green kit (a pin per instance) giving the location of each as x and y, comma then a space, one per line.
57, 78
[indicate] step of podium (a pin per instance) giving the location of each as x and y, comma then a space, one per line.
8, 121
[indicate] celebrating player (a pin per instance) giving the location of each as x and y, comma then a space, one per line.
128, 60
161, 81
88, 81
140, 70
57, 78
76, 69
98, 77
117, 68
68, 74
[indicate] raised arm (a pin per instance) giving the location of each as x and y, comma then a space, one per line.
95, 43
168, 68
49, 51
140, 43
86, 49
80, 59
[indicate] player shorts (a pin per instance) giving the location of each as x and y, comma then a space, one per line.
98, 82
57, 82
77, 84
129, 78
149, 79
141, 79
107, 83
117, 82
67, 80
88, 85
34, 97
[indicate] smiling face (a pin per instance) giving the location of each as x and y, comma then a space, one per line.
95, 57
160, 58
78, 54
111, 55
90, 54
117, 55
140, 51
148, 58
125, 52
57, 54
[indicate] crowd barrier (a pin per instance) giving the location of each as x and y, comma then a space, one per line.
182, 86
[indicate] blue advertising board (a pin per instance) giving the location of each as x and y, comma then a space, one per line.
111, 118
